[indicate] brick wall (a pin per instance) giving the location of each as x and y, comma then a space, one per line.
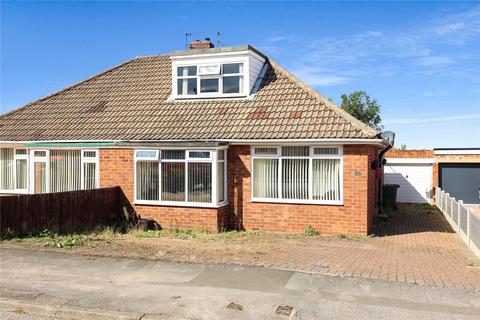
452, 158
354, 217
116, 169
397, 153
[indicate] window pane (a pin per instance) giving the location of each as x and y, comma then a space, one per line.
40, 177
265, 173
326, 179
220, 181
214, 69
173, 154
6, 168
266, 151
295, 151
199, 154
187, 71
295, 178
21, 151
64, 170
221, 154
199, 182
151, 154
21, 174
40, 153
89, 154
147, 180
89, 175
173, 181
323, 151
187, 86
209, 85
232, 84
232, 68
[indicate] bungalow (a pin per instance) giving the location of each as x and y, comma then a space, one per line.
208, 137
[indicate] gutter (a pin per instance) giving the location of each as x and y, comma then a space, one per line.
109, 143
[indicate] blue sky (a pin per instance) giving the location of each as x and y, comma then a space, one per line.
421, 61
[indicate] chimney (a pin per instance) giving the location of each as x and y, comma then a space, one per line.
198, 44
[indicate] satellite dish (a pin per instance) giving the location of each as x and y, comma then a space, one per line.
389, 136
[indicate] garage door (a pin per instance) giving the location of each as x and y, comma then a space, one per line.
461, 180
415, 181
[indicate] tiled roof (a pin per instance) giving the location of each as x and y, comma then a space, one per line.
131, 102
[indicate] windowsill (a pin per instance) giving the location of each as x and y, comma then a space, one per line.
209, 97
298, 201
13, 192
180, 204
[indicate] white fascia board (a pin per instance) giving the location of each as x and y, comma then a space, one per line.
210, 55
456, 152
410, 160
253, 142
333, 141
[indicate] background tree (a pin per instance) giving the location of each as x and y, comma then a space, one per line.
361, 106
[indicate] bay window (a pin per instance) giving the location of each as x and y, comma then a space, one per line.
212, 80
180, 177
299, 174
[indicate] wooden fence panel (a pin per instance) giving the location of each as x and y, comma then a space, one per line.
62, 212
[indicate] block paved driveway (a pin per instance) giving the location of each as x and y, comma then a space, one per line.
416, 245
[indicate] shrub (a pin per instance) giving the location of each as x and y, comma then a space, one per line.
310, 232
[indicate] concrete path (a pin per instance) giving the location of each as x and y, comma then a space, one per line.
77, 287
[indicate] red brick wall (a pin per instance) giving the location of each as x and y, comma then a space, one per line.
397, 153
452, 158
116, 169
354, 217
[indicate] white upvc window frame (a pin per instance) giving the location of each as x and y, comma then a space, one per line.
213, 160
20, 157
83, 160
278, 155
224, 175
244, 74
31, 158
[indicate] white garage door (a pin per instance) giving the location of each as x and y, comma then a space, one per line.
415, 181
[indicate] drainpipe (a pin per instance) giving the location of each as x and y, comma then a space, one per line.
389, 136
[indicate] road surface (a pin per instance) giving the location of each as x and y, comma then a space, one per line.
68, 286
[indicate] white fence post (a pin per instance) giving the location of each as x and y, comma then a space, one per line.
459, 215
469, 212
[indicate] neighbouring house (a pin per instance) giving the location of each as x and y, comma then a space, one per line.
209, 138
418, 172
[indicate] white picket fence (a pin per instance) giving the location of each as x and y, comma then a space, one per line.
462, 219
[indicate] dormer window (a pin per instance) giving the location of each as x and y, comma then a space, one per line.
205, 72
213, 80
